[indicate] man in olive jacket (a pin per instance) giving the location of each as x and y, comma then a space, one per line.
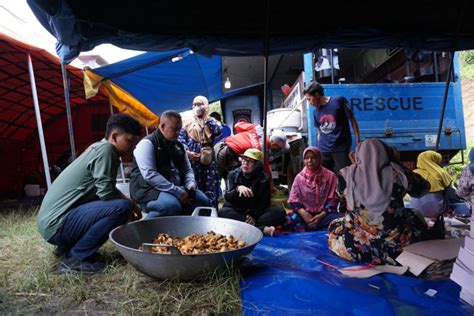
83, 204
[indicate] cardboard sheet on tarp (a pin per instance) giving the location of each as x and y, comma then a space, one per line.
283, 276
421, 255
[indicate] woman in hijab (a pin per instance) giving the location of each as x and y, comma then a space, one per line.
466, 181
197, 136
436, 201
313, 197
377, 225
247, 197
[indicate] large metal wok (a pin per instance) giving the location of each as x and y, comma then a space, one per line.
128, 239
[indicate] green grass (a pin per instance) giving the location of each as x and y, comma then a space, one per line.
466, 59
456, 167
29, 283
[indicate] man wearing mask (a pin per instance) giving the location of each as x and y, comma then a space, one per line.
197, 137
162, 179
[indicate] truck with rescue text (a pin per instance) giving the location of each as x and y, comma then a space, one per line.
396, 95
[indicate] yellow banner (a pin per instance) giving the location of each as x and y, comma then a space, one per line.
119, 98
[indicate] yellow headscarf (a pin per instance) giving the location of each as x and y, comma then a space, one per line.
428, 166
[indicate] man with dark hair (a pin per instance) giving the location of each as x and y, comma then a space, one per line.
162, 179
83, 204
331, 117
124, 123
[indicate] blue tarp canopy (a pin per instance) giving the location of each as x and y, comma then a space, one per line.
168, 80
237, 28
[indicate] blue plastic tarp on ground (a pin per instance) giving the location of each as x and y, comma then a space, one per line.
284, 277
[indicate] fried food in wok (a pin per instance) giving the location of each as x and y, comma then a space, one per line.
198, 244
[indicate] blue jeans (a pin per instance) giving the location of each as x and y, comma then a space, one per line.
168, 205
86, 227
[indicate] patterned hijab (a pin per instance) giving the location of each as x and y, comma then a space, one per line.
313, 187
370, 179
428, 166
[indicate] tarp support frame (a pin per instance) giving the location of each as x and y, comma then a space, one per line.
68, 111
445, 98
266, 47
34, 93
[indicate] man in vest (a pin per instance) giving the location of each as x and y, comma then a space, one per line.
162, 179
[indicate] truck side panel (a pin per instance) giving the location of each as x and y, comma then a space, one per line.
403, 115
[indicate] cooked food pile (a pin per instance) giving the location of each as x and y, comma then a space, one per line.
197, 244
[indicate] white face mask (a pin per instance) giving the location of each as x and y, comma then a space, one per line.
198, 111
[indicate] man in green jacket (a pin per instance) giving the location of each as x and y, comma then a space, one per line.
83, 204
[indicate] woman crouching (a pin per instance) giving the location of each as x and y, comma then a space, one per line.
377, 225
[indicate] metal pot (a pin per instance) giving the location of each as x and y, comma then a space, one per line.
128, 238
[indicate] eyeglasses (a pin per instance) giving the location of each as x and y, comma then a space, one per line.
198, 104
247, 160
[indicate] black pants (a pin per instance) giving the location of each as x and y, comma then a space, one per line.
335, 161
272, 216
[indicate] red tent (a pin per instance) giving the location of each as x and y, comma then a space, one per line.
20, 154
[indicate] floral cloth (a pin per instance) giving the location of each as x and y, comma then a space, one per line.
295, 223
373, 235
466, 185
206, 176
354, 239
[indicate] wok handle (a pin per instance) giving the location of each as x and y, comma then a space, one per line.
197, 210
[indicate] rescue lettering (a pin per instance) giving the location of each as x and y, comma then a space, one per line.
390, 103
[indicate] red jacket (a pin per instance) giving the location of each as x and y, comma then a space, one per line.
247, 136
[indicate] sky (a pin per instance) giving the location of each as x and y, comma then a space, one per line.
18, 21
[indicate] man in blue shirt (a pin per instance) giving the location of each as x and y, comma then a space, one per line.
331, 117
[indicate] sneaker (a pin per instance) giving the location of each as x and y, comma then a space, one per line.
59, 251
75, 265
96, 257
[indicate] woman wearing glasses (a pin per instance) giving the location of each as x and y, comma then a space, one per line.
247, 197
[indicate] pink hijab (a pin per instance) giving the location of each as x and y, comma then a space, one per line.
313, 187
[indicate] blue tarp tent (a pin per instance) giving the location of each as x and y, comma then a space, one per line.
237, 28
161, 80
263, 28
